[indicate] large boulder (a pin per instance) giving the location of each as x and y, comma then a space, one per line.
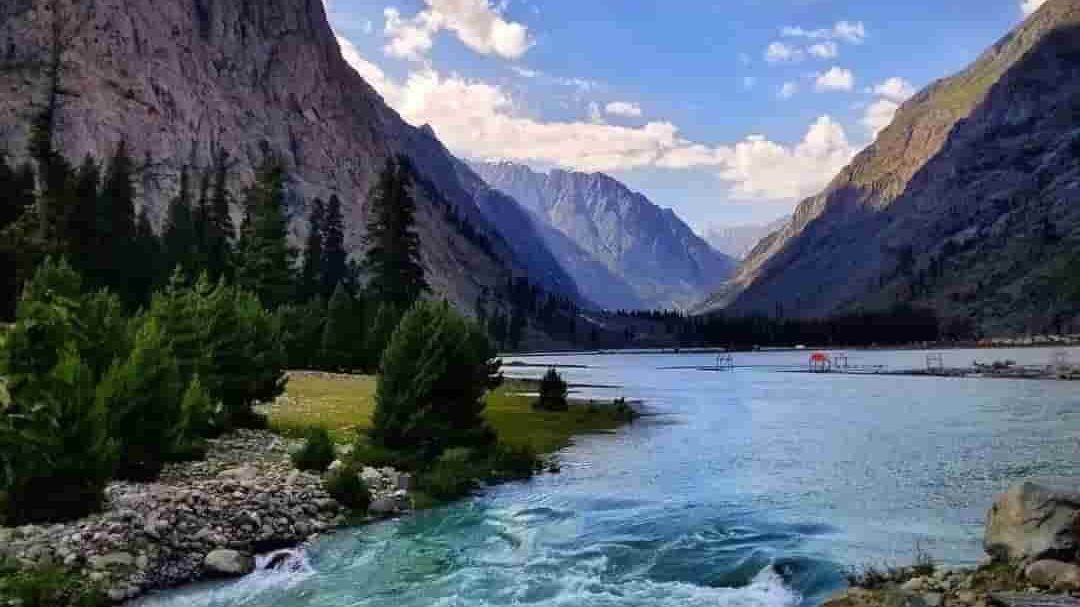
1030, 522
228, 563
1054, 575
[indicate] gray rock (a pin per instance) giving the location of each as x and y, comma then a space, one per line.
933, 599
915, 584
383, 506
403, 481
1054, 574
1029, 522
242, 473
228, 563
111, 560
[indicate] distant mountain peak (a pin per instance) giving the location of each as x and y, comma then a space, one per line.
648, 249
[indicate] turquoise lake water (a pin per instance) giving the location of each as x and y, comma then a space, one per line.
755, 487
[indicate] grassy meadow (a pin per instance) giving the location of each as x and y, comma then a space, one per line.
344, 405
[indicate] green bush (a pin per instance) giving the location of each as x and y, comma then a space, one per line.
47, 587
201, 415
317, 453
553, 392
346, 486
514, 462
364, 453
435, 371
55, 454
226, 337
142, 395
453, 475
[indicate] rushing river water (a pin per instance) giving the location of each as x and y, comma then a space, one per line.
752, 487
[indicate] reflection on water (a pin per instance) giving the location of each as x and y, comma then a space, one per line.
751, 488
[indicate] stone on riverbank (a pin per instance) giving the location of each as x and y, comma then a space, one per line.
228, 563
1030, 522
1055, 575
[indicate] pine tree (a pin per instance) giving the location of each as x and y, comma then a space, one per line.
218, 228
179, 237
83, 219
393, 253
343, 335
142, 395
17, 231
302, 333
147, 266
265, 260
435, 371
311, 271
335, 260
384, 321
112, 261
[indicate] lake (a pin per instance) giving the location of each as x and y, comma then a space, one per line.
744, 488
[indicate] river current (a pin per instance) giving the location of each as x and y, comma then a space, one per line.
754, 487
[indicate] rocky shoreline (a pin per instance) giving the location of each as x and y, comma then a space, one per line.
200, 519
1032, 541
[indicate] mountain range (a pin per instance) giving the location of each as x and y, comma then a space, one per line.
623, 250
183, 80
967, 203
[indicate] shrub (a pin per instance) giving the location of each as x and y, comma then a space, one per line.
553, 392
364, 453
453, 475
346, 486
47, 587
55, 455
142, 396
226, 337
514, 462
317, 453
200, 414
435, 372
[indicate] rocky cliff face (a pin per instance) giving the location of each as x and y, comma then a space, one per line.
627, 251
966, 202
181, 79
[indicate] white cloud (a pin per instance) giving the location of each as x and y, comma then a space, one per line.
788, 90
836, 79
824, 50
524, 72
778, 52
475, 22
480, 120
894, 89
878, 115
847, 31
623, 108
891, 93
1030, 6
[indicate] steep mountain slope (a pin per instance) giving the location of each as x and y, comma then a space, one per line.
648, 249
180, 80
967, 202
738, 241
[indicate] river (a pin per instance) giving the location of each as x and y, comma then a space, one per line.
755, 487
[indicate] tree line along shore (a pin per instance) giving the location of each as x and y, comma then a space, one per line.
137, 360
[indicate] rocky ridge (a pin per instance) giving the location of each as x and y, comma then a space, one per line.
965, 203
182, 80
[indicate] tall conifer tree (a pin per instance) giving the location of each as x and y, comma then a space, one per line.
393, 254
265, 260
335, 261
311, 271
179, 235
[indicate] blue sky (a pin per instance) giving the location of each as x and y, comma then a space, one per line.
728, 112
